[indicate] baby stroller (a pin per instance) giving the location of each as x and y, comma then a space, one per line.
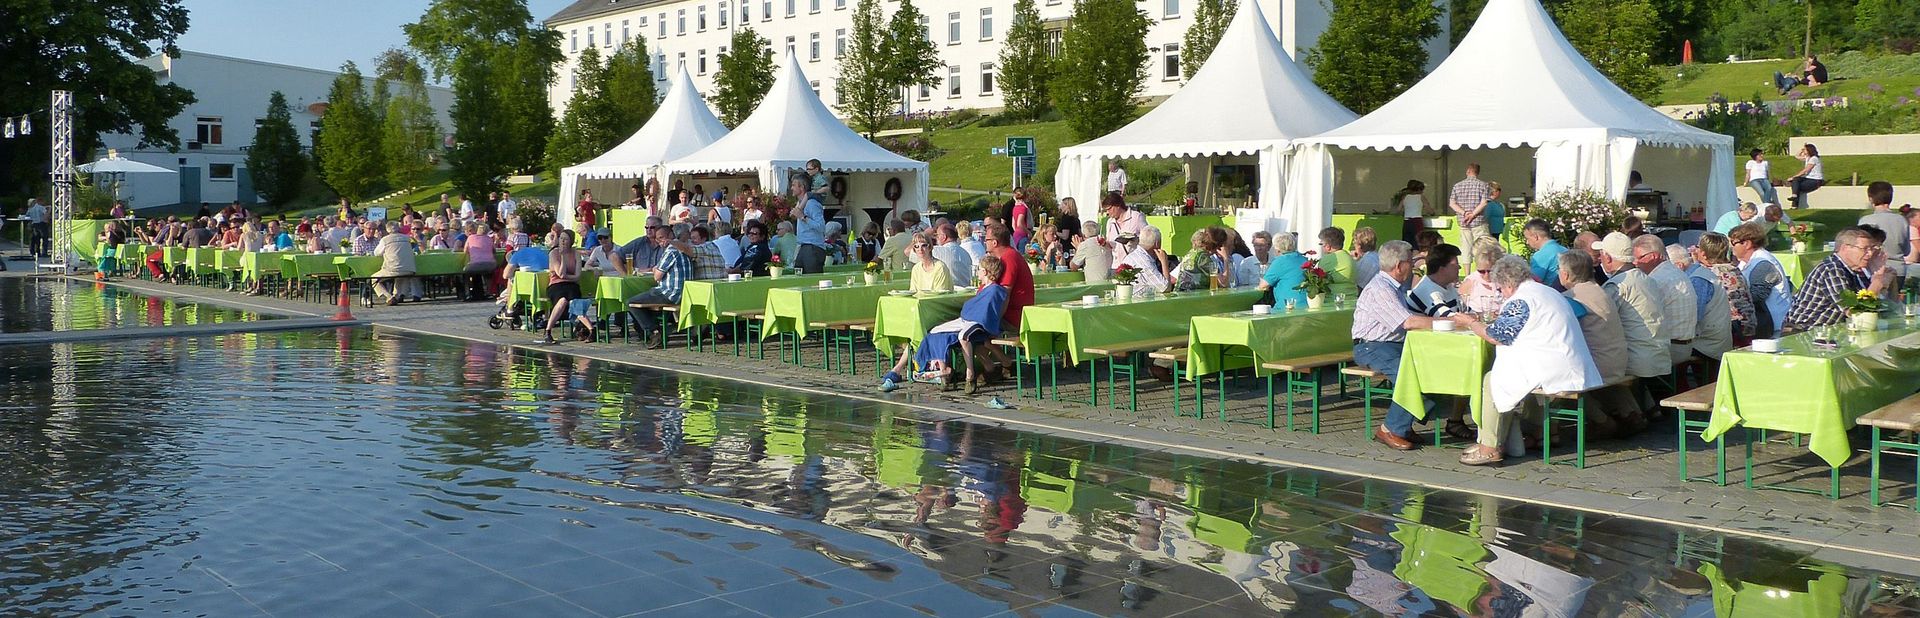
511, 314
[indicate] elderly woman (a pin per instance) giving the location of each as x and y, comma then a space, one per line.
480, 261
1477, 292
1714, 255
1094, 258
1284, 272
837, 250
1205, 264
980, 321
1746, 212
929, 274
1767, 284
1607, 340
1539, 346
1153, 263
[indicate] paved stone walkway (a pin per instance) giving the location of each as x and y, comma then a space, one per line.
1634, 478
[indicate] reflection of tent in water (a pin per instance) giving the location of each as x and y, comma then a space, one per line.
900, 458
1785, 591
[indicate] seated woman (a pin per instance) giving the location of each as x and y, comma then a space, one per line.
979, 322
1285, 273
929, 274
1204, 266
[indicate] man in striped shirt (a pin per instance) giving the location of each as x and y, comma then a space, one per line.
670, 276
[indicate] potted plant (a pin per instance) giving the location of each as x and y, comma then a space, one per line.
1315, 282
1863, 309
775, 267
1123, 278
871, 272
1803, 237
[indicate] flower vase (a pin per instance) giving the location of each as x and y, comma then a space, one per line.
1314, 302
776, 271
1864, 321
1799, 246
872, 278
1123, 291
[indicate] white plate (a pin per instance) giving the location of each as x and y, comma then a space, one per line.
899, 293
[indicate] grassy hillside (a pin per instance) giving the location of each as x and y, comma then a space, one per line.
969, 161
1900, 169
1746, 80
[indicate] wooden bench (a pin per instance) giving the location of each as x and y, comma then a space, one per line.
1368, 378
1303, 378
1696, 400
1129, 351
1577, 414
752, 331
1904, 416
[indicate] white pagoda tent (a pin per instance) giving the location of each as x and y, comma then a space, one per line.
681, 126
791, 126
1516, 98
1245, 106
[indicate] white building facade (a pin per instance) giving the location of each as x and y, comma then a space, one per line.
968, 34
217, 129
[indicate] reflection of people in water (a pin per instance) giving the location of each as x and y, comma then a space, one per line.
992, 475
806, 495
1149, 515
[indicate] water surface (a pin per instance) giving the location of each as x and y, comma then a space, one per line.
39, 304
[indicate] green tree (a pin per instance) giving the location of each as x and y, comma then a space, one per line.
502, 122
349, 143
274, 160
630, 86
93, 49
409, 132
746, 74
1102, 65
867, 88
1617, 36
1210, 20
590, 125
1373, 50
1882, 23
1755, 29
1461, 15
1025, 65
912, 58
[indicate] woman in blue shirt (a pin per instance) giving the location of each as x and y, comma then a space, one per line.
1284, 275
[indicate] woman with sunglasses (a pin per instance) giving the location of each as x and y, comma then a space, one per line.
929, 275
1478, 294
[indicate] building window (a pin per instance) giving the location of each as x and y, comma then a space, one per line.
789, 45
926, 23
589, 36
986, 78
815, 84
700, 63
953, 28
840, 42
790, 5
625, 34
219, 171
1172, 70
813, 47
608, 31
723, 15
1172, 9
813, 6
660, 66
766, 10
663, 25
680, 61
986, 23
206, 130
953, 82
680, 22
926, 92
839, 4
700, 20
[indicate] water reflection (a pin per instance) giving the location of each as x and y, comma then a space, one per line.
33, 304
344, 471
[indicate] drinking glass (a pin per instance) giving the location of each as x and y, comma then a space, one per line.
1289, 305
849, 281
1339, 301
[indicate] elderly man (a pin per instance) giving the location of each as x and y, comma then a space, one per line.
368, 238
1436, 294
1248, 270
1677, 297
1121, 221
643, 252
1589, 243
707, 261
1746, 212
395, 277
1538, 346
1116, 178
947, 249
1642, 306
893, 252
1713, 319
1092, 256
1468, 200
1380, 324
1858, 263
670, 278
1606, 340
1772, 291
1545, 263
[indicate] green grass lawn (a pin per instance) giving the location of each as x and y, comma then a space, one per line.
969, 161
1899, 169
1746, 80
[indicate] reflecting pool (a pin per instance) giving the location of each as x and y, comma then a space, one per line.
352, 472
35, 304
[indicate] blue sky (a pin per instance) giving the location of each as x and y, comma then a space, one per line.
321, 34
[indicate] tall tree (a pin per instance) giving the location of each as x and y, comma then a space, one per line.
746, 74
274, 160
501, 124
409, 132
91, 48
1210, 19
912, 58
1373, 50
1102, 65
1617, 36
589, 126
1025, 65
630, 86
1460, 17
868, 89
350, 140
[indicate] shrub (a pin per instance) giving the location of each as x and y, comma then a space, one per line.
1570, 212
916, 147
536, 215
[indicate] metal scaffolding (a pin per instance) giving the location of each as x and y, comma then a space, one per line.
62, 121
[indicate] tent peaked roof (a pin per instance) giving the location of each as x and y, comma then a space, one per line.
681, 126
791, 126
1514, 80
1249, 95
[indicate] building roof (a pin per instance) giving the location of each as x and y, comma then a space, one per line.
582, 9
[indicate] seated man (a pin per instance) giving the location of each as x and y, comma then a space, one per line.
754, 251
531, 258
1607, 340
979, 322
640, 254
707, 261
1641, 306
1813, 73
1857, 264
1436, 294
670, 277
394, 279
1539, 346
1380, 324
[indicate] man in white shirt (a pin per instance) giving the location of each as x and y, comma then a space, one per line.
1116, 178
724, 241
38, 221
1676, 294
466, 209
1248, 270
506, 206
947, 249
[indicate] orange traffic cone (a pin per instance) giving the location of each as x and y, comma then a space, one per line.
346, 312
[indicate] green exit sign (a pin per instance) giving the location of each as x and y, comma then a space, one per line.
1021, 147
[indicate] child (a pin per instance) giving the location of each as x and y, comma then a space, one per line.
820, 180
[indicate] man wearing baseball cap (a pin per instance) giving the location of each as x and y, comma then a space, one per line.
1641, 307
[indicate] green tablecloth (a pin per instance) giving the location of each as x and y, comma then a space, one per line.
1275, 336
612, 291
1436, 363
1176, 232
1796, 265
200, 261
1816, 392
906, 319
626, 225
702, 301
356, 266
253, 264
436, 263
298, 265
789, 310
1121, 321
531, 286
85, 235
227, 260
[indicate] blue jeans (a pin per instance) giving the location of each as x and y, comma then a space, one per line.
1384, 357
1767, 193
